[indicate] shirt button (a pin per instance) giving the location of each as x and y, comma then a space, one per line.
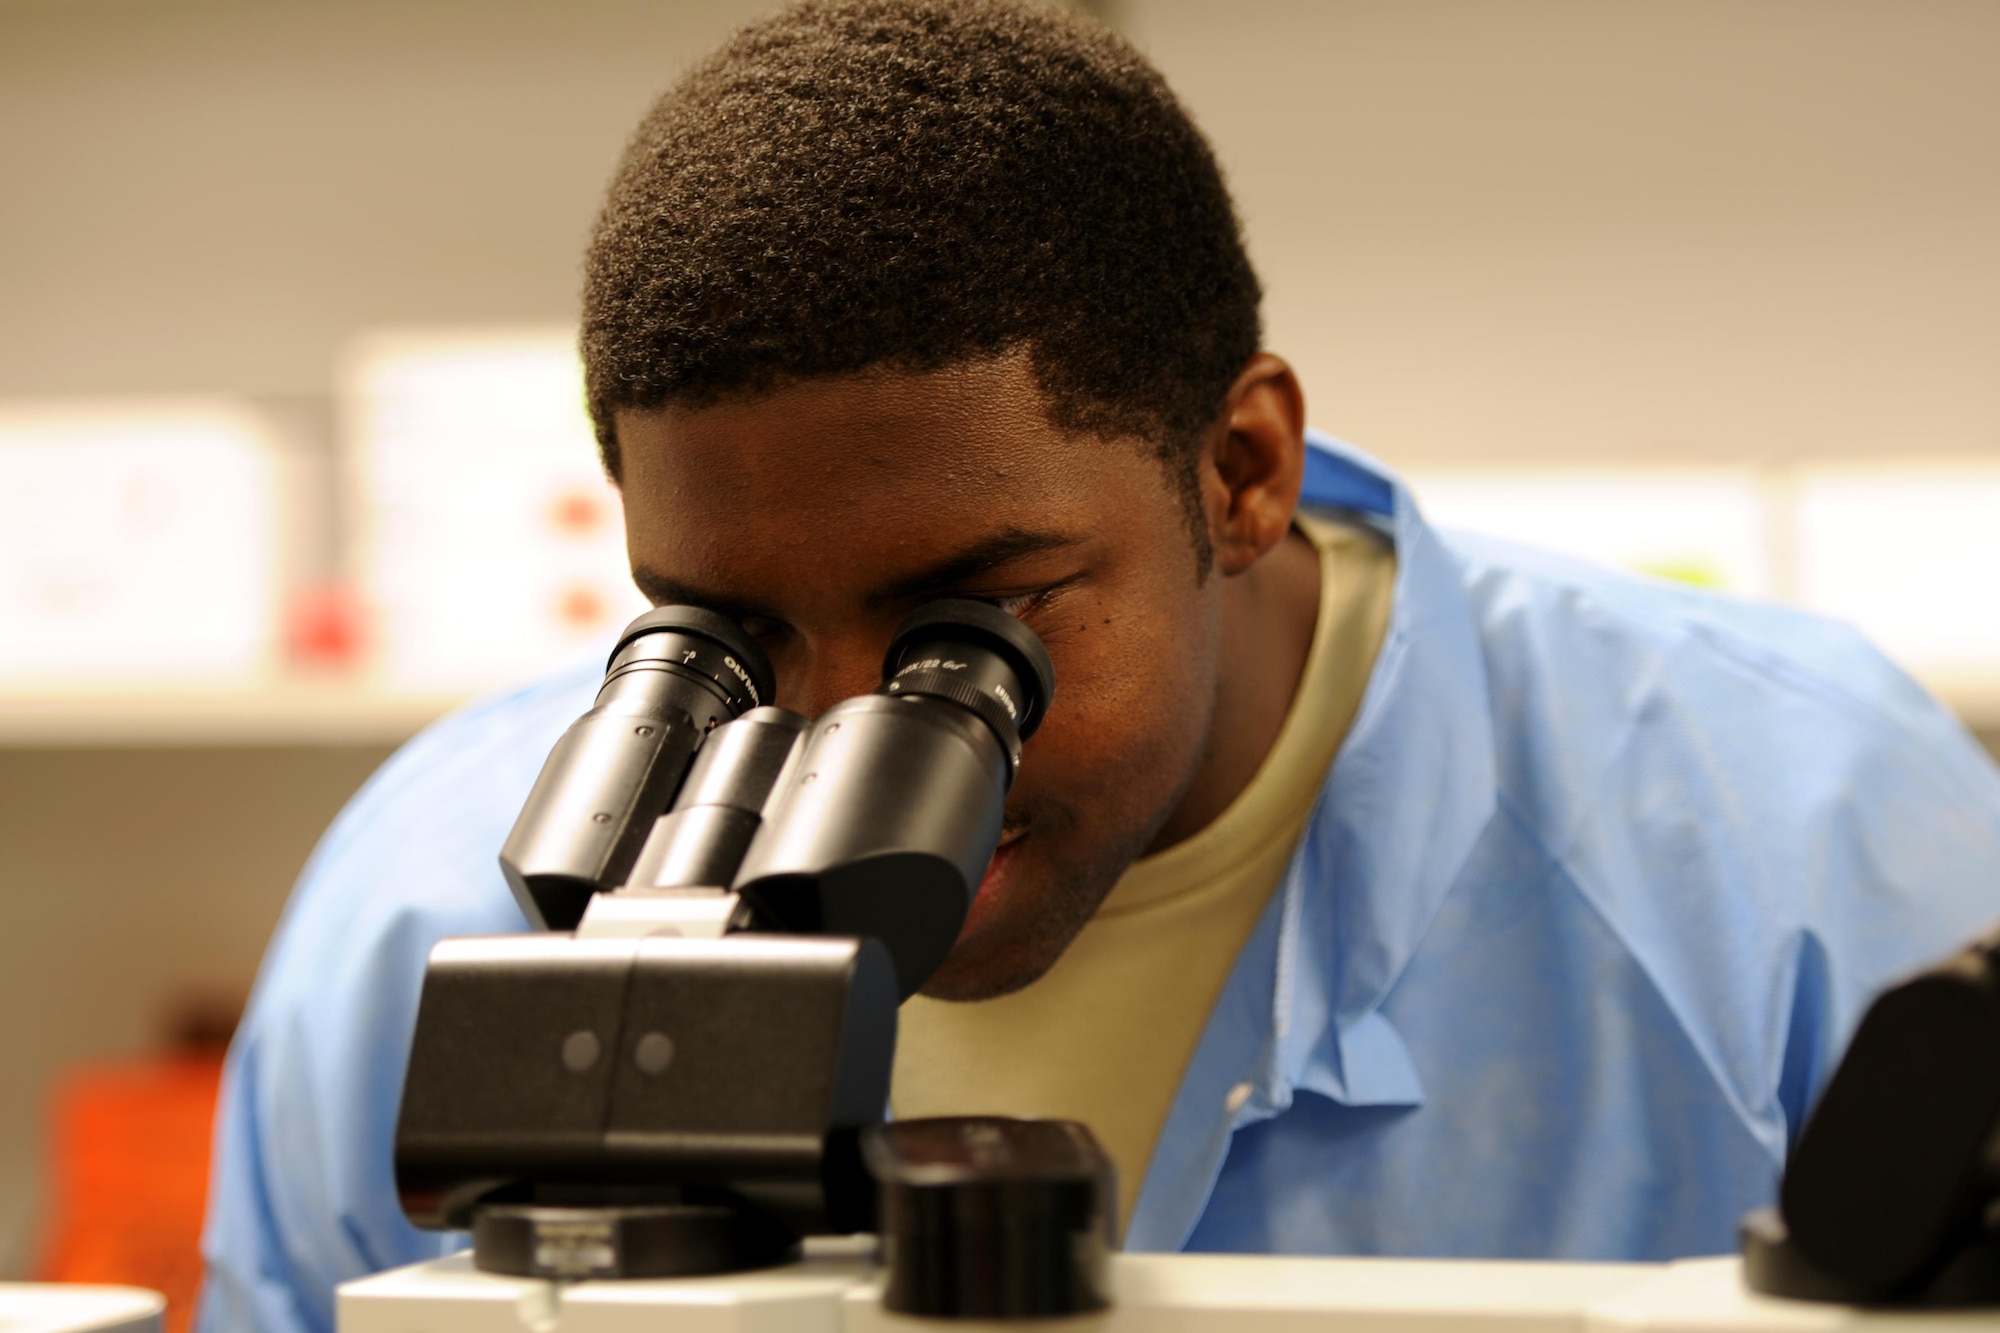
1237, 1096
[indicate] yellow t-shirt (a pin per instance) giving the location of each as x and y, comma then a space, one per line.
1105, 1036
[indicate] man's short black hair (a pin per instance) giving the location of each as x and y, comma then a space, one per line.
913, 184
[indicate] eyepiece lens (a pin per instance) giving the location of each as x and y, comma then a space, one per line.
701, 642
977, 656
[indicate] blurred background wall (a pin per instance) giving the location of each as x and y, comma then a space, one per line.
1737, 235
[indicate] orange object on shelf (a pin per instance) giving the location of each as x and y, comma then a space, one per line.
580, 513
581, 607
128, 1178
323, 627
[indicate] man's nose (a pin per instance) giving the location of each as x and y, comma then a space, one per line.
831, 672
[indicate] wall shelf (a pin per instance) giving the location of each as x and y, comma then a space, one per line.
352, 713
290, 713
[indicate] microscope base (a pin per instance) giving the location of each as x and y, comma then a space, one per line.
836, 1288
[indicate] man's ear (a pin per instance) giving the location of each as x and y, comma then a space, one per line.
1253, 463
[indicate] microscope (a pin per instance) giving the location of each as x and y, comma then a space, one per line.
685, 1070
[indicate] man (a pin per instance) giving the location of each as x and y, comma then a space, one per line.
1367, 891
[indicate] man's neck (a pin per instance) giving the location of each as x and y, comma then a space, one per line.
1268, 614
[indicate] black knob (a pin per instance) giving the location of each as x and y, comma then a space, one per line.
984, 1217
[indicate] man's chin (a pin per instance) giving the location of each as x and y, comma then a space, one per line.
971, 973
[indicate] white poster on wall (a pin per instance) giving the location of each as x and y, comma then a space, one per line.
139, 545
487, 545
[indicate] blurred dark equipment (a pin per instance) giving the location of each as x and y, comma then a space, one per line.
684, 1084
1892, 1193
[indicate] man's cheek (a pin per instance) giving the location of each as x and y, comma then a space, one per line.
1115, 720
1120, 767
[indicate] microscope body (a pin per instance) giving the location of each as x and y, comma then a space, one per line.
687, 1070
660, 1067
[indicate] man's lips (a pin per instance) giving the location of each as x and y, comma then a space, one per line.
1010, 839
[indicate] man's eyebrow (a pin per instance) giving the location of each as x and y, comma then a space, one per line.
988, 553
661, 590
939, 577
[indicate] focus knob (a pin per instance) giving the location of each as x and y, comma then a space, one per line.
984, 1217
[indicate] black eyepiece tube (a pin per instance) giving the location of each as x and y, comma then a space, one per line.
701, 841
677, 673
886, 818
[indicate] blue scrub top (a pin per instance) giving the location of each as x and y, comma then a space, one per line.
1598, 885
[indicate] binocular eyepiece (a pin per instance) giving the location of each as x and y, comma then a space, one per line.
890, 807
876, 819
